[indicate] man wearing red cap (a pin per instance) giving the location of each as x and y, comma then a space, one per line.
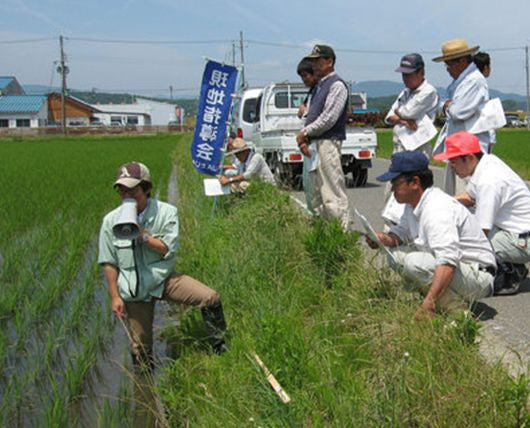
502, 201
437, 244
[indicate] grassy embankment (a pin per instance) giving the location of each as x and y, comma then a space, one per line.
54, 322
513, 146
338, 334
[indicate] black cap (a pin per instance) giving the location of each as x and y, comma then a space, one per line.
323, 51
410, 63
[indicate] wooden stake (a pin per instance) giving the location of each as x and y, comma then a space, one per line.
272, 380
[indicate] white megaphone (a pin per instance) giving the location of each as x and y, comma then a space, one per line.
127, 227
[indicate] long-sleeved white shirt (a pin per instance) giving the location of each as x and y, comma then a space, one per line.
414, 105
468, 93
443, 227
502, 197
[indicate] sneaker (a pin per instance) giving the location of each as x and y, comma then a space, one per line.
519, 273
507, 291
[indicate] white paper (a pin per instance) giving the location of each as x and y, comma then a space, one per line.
314, 157
413, 139
490, 116
370, 232
212, 187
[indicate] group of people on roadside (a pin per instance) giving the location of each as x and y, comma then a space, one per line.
455, 256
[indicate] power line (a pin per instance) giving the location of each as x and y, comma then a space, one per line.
45, 39
149, 42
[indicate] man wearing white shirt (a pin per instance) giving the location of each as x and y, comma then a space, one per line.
467, 94
413, 110
252, 166
502, 201
447, 253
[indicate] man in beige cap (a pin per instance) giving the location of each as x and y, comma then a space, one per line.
466, 95
139, 270
251, 165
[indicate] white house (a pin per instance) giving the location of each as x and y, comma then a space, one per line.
142, 112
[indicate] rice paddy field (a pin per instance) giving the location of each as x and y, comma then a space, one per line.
54, 316
335, 330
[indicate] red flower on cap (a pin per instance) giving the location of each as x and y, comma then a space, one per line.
460, 143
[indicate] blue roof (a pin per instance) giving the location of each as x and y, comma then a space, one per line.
5, 80
21, 103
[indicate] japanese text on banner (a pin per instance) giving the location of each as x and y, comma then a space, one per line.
218, 83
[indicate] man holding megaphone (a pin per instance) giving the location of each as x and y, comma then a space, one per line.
137, 249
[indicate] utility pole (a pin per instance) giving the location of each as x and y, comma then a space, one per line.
171, 92
241, 49
527, 84
63, 71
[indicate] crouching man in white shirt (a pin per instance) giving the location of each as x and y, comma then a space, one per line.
448, 256
502, 205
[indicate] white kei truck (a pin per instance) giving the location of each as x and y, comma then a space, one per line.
268, 117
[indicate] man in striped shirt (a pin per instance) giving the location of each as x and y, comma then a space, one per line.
325, 125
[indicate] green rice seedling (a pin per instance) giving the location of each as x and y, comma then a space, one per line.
45, 304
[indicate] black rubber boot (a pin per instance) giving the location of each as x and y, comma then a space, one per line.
144, 363
215, 325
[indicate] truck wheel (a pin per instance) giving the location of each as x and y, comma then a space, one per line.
360, 177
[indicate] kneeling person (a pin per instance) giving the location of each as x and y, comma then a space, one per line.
252, 165
502, 205
448, 256
141, 271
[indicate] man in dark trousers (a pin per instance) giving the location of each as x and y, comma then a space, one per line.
325, 125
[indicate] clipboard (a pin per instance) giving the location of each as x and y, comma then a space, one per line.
370, 232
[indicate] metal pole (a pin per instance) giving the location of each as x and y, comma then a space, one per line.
241, 49
63, 86
527, 84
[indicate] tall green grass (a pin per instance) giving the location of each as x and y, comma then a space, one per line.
54, 327
336, 332
513, 146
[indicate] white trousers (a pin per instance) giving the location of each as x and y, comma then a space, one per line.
469, 283
328, 184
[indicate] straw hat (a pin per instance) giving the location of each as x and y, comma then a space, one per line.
238, 145
455, 48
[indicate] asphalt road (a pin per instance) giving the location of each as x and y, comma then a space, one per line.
505, 332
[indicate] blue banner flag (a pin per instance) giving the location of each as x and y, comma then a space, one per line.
218, 83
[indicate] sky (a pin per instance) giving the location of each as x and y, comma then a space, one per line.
164, 43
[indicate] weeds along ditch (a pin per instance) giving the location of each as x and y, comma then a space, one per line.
337, 333
55, 321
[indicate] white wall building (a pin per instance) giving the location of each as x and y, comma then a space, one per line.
23, 111
142, 112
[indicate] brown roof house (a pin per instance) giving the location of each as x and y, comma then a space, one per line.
77, 112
